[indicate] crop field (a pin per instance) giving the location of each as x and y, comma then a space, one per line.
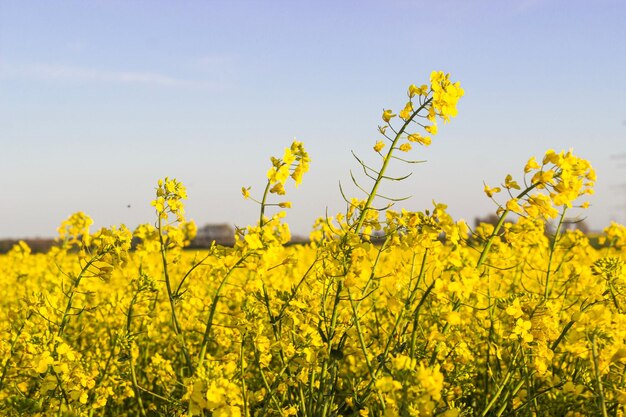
385, 312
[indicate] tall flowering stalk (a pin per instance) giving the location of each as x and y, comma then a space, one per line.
169, 196
425, 105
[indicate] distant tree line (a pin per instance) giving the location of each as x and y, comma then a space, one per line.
37, 245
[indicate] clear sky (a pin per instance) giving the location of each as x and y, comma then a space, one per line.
99, 99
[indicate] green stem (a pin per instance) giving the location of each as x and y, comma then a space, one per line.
75, 284
262, 213
562, 335
503, 385
496, 229
136, 385
415, 314
244, 396
487, 248
209, 322
5, 367
416, 318
388, 157
552, 250
193, 267
364, 348
170, 296
330, 334
596, 369
508, 395
270, 392
494, 399
370, 279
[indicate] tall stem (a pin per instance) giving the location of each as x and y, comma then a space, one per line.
552, 249
209, 322
496, 229
487, 248
262, 213
170, 296
75, 284
383, 169
598, 377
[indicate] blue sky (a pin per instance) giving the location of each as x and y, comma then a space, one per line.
99, 99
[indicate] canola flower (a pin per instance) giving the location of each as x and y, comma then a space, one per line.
386, 312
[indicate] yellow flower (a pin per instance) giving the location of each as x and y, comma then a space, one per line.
413, 90
513, 206
253, 241
522, 330
379, 146
405, 147
416, 137
215, 396
278, 175
387, 115
543, 178
159, 204
291, 411
285, 204
406, 113
551, 157
445, 96
388, 384
245, 192
297, 174
431, 380
531, 165
288, 156
510, 183
44, 361
491, 191
420, 91
515, 309
454, 318
278, 189
431, 129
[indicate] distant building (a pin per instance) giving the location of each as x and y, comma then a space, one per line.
221, 234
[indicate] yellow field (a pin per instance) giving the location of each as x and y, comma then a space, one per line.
432, 320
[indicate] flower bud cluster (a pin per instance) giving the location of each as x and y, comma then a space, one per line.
169, 196
426, 103
446, 94
294, 163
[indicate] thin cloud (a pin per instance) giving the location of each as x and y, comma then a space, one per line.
73, 73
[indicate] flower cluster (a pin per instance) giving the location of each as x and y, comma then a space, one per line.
169, 196
558, 182
425, 104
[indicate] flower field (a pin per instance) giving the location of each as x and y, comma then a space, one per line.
385, 312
